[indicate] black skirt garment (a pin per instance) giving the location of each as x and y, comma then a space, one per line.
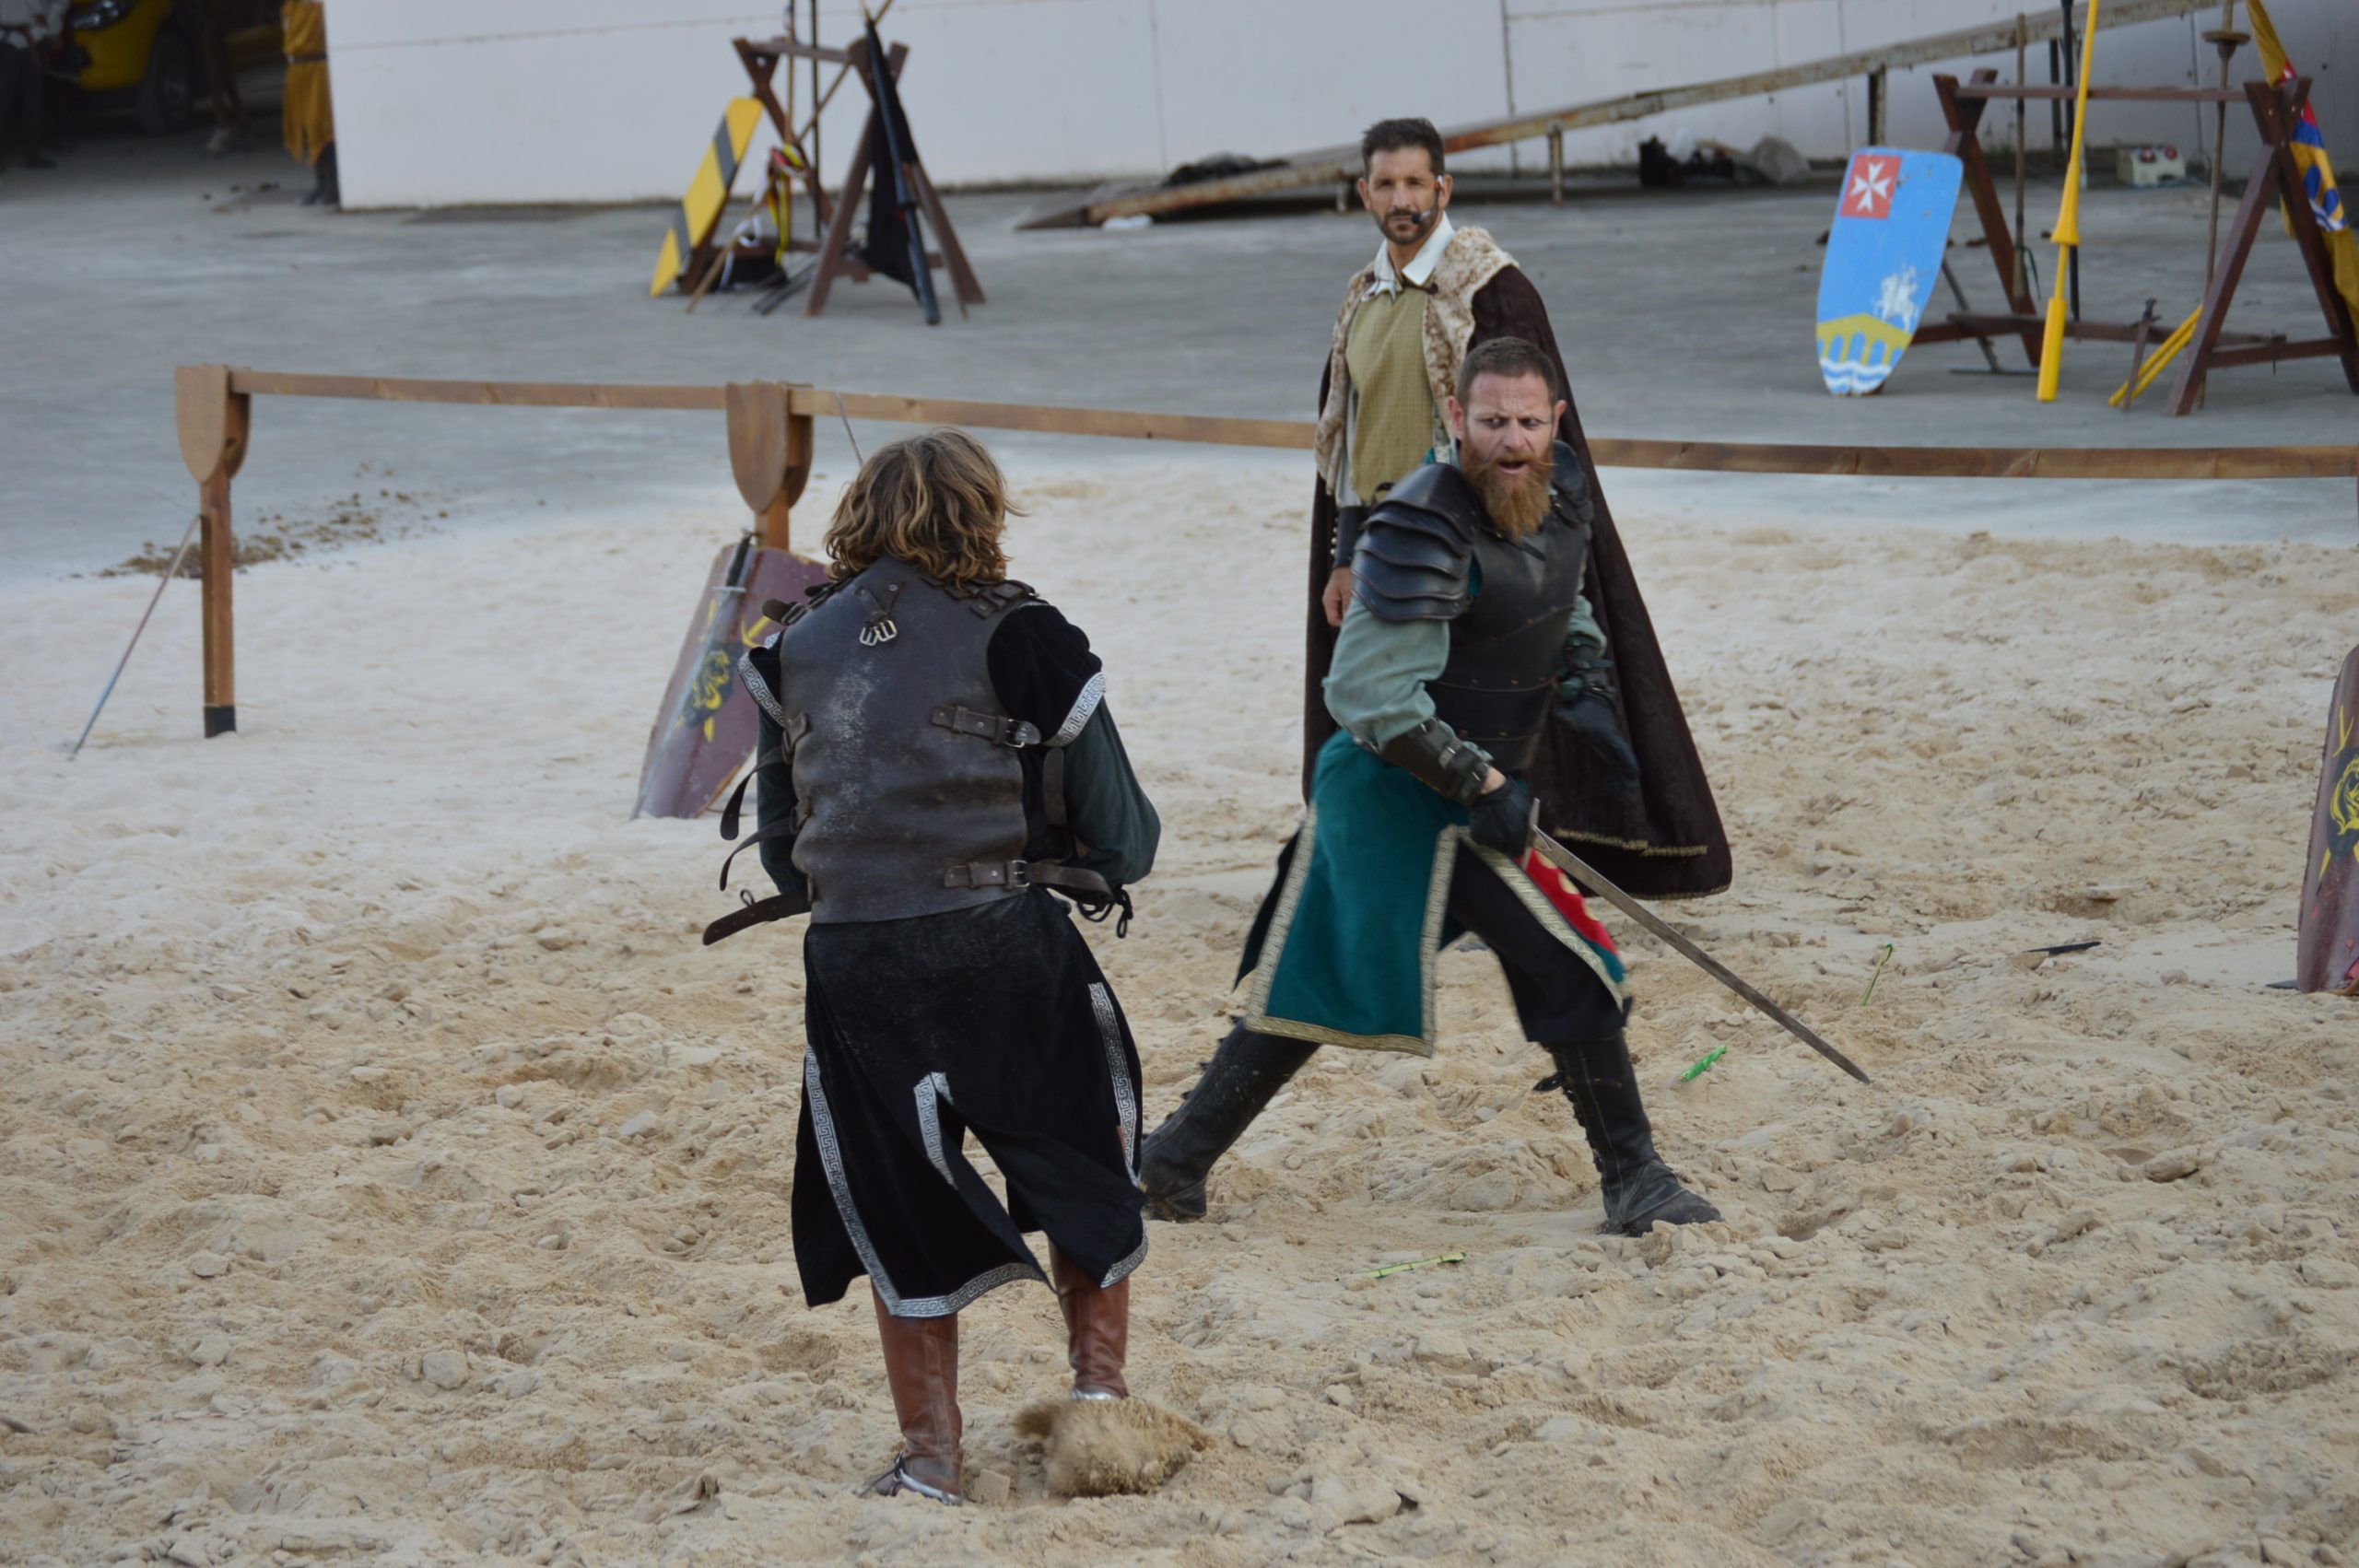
995, 1021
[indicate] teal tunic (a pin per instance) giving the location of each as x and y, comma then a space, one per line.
1342, 950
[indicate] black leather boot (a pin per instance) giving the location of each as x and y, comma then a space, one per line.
1640, 1192
1242, 1076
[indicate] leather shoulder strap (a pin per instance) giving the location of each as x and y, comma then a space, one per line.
1568, 482
998, 598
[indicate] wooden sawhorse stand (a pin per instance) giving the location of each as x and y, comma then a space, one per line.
2275, 177
761, 61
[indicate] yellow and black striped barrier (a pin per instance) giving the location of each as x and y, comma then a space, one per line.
700, 211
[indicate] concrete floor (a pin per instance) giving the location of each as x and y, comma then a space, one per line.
1683, 314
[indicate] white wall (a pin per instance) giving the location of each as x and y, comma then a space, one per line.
450, 101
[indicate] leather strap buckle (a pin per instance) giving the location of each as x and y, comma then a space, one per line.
1011, 874
879, 628
1013, 733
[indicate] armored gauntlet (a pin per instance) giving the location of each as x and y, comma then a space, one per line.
1433, 756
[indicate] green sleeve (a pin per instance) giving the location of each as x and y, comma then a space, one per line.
1106, 806
1375, 685
1582, 633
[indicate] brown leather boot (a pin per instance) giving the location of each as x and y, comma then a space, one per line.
1097, 1329
922, 1368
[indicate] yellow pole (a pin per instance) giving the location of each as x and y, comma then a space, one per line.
2068, 217
2163, 355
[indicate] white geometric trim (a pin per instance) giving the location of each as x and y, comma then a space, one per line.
831, 1160
1121, 1270
1083, 708
933, 1093
968, 1294
1126, 1099
758, 687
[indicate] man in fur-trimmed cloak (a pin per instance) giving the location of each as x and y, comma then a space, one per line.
1477, 697
1433, 292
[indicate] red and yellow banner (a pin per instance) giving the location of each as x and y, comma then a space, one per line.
2317, 169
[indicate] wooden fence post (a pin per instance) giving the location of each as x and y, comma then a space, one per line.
213, 422
769, 454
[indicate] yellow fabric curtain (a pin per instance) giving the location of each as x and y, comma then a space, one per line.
308, 117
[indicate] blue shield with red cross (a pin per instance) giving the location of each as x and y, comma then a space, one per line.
1884, 258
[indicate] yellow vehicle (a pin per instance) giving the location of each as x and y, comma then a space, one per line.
149, 52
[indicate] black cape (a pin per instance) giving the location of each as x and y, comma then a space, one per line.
1667, 841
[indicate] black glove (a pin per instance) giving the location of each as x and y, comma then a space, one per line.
1502, 820
1588, 714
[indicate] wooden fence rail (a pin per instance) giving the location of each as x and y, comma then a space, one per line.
770, 447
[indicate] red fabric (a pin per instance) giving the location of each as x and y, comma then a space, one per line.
1568, 901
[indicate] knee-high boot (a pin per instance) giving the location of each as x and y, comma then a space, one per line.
1243, 1075
1640, 1192
922, 1369
1097, 1329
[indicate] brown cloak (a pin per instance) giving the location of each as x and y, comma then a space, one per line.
1665, 843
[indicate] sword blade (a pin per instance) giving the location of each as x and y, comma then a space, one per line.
1581, 870
169, 572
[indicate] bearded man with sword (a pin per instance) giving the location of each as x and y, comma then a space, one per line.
1460, 647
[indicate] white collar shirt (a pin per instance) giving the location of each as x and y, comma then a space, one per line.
1420, 270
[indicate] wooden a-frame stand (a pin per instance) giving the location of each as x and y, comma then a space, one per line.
761, 60
2275, 178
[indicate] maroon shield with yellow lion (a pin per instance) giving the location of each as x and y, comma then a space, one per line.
2327, 958
704, 732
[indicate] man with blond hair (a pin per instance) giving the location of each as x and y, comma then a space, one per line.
938, 776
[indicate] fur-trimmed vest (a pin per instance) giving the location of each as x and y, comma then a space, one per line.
1471, 260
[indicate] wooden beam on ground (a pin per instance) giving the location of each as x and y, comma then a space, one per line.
1325, 165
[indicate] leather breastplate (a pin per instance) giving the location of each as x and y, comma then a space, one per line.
1500, 682
906, 781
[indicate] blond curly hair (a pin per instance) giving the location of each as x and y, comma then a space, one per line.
935, 500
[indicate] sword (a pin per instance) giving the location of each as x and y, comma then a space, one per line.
1581, 870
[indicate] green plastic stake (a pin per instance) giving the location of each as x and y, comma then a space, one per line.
1697, 1071
1420, 1263
1877, 976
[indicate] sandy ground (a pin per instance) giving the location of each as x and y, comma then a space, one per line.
389, 1175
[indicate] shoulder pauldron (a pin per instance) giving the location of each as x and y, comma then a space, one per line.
1417, 548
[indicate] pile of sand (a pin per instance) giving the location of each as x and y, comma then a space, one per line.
391, 1176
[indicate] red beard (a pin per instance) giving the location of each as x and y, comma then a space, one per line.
1517, 502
